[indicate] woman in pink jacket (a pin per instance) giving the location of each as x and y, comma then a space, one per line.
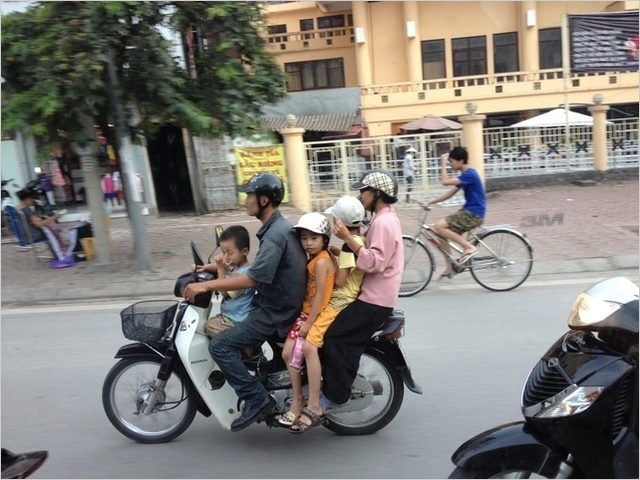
382, 260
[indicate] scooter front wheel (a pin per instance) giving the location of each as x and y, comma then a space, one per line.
130, 384
514, 473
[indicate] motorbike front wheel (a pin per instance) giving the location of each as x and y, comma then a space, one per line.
388, 393
127, 388
515, 473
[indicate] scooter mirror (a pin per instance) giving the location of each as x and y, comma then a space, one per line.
197, 259
219, 231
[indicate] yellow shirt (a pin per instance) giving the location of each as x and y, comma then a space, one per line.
347, 293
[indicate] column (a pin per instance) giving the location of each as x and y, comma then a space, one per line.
599, 132
297, 165
528, 36
472, 137
413, 50
362, 31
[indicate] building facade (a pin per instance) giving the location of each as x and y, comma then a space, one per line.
412, 58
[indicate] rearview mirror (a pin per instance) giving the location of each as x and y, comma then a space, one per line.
197, 259
219, 231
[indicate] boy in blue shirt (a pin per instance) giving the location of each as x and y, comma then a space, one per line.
473, 211
232, 261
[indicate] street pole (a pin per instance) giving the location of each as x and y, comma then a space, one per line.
133, 199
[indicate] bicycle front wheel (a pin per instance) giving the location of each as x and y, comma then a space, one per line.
504, 260
418, 266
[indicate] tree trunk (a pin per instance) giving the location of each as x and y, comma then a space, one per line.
132, 196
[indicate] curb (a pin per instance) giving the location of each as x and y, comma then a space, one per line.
164, 288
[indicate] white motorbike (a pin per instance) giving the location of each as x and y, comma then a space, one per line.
153, 392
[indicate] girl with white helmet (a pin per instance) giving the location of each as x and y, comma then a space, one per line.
314, 232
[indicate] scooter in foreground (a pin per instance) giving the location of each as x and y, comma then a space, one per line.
152, 393
580, 401
21, 465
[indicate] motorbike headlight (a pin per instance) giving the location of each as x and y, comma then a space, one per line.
601, 300
588, 310
571, 402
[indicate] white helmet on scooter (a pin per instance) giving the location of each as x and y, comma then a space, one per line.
349, 210
314, 222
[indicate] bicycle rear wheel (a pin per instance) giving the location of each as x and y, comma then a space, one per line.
504, 260
418, 266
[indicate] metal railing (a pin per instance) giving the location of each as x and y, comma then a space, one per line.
509, 152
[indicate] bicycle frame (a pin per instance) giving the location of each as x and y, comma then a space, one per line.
428, 233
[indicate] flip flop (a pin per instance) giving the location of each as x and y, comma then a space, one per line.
467, 256
301, 427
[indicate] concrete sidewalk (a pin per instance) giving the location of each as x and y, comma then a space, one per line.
572, 229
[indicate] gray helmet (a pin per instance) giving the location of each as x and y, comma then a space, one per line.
264, 184
379, 179
349, 210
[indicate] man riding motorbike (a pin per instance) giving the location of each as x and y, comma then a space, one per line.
278, 274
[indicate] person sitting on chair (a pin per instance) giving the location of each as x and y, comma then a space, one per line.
64, 243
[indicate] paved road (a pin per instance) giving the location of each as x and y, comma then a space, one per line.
572, 229
54, 360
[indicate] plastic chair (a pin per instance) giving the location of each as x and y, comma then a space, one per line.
20, 227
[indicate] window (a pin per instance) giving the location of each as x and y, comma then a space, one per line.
315, 75
550, 48
433, 65
469, 56
275, 29
505, 52
334, 21
305, 26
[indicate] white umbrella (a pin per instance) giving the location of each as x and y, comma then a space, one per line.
556, 118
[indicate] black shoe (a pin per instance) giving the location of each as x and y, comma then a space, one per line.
251, 414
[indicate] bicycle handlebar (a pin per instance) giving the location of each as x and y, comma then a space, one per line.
422, 205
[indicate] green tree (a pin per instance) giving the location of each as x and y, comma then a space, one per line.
64, 62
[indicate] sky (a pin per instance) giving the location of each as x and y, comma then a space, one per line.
8, 6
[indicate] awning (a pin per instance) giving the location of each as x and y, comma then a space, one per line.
354, 132
330, 110
335, 122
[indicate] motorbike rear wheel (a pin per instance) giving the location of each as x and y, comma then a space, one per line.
387, 398
127, 387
